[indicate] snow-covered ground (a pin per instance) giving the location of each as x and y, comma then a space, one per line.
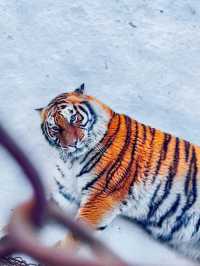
140, 57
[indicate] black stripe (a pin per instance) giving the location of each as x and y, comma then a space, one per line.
45, 133
134, 177
176, 157
133, 160
117, 163
152, 202
156, 203
83, 110
77, 111
58, 100
192, 194
196, 227
163, 154
183, 222
92, 112
183, 218
187, 150
189, 176
66, 195
135, 139
97, 156
94, 180
144, 133
82, 117
165, 146
153, 131
93, 150
170, 212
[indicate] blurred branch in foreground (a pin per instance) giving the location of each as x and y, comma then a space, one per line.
31, 215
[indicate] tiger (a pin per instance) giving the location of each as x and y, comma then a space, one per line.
124, 167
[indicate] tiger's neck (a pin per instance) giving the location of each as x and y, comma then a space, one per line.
120, 158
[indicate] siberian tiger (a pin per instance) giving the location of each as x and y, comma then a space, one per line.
124, 167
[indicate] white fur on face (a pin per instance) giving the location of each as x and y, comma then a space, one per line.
68, 111
51, 121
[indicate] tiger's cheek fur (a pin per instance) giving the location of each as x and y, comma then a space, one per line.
70, 135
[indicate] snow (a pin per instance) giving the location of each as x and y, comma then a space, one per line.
139, 57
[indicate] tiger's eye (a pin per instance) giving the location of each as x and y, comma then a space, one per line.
73, 118
55, 128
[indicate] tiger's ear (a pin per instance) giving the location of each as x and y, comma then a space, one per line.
81, 89
39, 110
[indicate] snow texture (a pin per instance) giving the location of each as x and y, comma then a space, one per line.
140, 57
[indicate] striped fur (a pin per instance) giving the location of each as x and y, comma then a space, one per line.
125, 167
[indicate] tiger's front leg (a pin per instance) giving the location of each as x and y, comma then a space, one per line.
97, 212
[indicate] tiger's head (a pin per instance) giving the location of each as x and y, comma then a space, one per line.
74, 122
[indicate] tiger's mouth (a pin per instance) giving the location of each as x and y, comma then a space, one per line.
69, 148
71, 152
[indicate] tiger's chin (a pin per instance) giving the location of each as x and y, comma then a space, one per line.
72, 153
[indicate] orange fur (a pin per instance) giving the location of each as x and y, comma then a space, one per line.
133, 153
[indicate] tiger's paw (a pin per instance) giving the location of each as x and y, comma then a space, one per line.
69, 243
